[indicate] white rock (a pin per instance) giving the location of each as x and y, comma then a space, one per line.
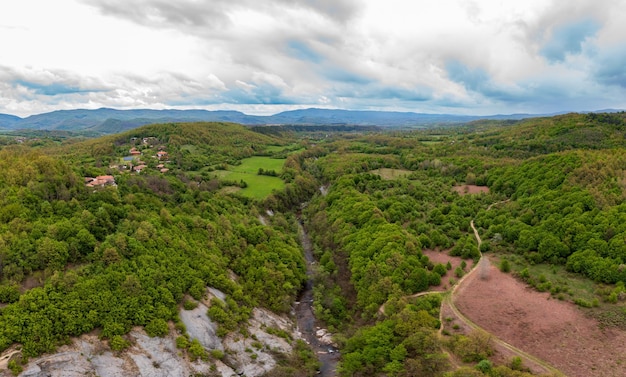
199, 326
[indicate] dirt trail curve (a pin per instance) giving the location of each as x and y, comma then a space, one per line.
482, 265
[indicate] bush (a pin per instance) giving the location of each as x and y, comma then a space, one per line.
182, 342
484, 366
583, 303
117, 343
15, 367
524, 274
196, 351
9, 293
516, 363
505, 266
474, 347
440, 269
458, 272
157, 327
190, 305
434, 279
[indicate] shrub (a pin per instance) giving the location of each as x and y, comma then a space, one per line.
505, 266
190, 305
9, 293
182, 342
474, 347
458, 272
157, 327
196, 351
440, 269
117, 343
516, 363
583, 303
434, 279
524, 274
278, 332
484, 366
15, 367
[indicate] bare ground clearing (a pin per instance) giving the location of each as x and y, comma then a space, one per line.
436, 256
557, 332
471, 189
502, 355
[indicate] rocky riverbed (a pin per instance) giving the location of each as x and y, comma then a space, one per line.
318, 338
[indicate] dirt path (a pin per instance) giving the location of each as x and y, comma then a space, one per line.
483, 265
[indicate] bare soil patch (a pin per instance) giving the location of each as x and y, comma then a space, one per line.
555, 331
441, 256
471, 189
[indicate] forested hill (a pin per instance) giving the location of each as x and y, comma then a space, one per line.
108, 121
113, 253
553, 134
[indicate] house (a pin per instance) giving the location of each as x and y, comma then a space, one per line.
164, 170
134, 152
139, 168
100, 181
161, 154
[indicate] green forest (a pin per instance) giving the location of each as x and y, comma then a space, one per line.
188, 206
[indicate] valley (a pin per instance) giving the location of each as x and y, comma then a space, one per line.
479, 250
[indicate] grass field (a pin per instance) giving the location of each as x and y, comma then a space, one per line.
280, 148
556, 280
259, 186
387, 173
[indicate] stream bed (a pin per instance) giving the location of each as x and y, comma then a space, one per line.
316, 337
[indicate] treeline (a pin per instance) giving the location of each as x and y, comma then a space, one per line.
333, 128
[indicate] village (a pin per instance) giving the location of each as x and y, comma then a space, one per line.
134, 163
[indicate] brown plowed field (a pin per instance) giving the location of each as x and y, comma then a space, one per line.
555, 331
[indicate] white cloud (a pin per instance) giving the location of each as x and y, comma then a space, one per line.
395, 54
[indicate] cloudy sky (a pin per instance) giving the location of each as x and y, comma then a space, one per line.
261, 57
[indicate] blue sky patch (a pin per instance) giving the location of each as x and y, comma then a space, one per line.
568, 39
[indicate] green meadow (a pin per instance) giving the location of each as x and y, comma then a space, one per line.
259, 186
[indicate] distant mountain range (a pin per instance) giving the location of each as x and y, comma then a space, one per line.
107, 121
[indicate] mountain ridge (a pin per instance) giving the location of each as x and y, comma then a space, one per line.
108, 120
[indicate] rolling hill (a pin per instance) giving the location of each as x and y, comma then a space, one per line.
108, 121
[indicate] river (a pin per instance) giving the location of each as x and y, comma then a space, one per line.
305, 318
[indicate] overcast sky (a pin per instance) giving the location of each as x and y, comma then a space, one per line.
264, 56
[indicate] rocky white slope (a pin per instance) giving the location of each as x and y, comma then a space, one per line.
156, 357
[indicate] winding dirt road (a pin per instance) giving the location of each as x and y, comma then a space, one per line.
482, 265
